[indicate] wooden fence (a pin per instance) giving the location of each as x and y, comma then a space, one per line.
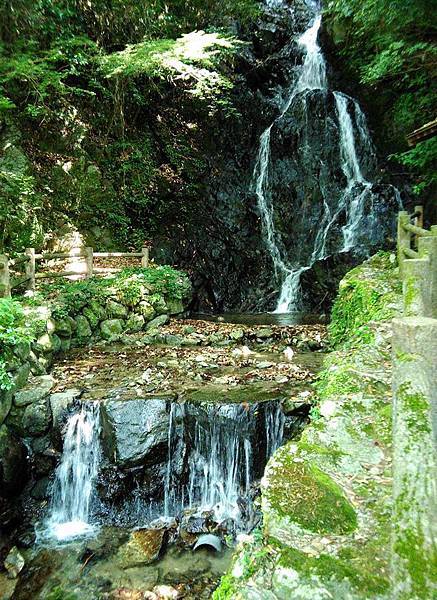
21, 271
417, 258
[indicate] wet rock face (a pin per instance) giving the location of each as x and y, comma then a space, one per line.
135, 431
231, 266
135, 442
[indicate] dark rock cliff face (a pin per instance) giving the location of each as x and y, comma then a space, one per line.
223, 243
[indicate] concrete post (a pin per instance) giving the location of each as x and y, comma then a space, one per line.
5, 280
89, 262
428, 251
144, 257
414, 458
30, 268
415, 286
404, 239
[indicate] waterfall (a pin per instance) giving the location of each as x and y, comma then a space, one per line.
75, 476
220, 460
312, 77
352, 200
274, 424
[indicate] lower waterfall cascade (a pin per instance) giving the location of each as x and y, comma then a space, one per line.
222, 443
74, 485
353, 204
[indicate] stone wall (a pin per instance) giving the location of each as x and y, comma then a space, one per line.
112, 310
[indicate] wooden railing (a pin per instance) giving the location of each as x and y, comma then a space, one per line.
417, 258
21, 272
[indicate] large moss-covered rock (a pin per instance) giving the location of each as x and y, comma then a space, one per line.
145, 309
37, 418
37, 389
83, 329
111, 329
5, 404
296, 492
47, 343
95, 313
142, 548
135, 323
116, 310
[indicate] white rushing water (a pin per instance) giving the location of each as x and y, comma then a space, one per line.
220, 462
73, 488
352, 201
312, 76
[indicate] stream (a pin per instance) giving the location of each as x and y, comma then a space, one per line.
160, 450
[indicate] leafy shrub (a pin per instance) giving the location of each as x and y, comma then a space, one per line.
13, 331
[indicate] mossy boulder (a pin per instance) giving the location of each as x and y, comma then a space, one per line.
297, 492
38, 389
5, 404
135, 323
12, 462
111, 329
146, 309
159, 304
116, 310
95, 313
48, 343
142, 548
83, 328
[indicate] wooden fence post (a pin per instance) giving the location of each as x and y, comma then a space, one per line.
89, 262
404, 238
30, 268
5, 281
144, 257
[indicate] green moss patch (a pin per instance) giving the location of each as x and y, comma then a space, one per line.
367, 293
332, 568
305, 494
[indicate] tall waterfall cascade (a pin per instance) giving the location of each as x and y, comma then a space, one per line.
74, 485
349, 207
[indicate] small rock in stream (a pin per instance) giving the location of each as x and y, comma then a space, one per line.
142, 548
14, 563
166, 592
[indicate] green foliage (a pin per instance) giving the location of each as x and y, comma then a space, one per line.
130, 285
422, 159
194, 58
390, 48
19, 207
13, 331
58, 593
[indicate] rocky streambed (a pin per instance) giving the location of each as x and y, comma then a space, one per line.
188, 414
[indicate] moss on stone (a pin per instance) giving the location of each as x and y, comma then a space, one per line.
416, 408
367, 293
249, 393
309, 497
331, 568
409, 547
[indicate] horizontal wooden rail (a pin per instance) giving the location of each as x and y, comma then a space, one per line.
28, 275
53, 255
15, 262
410, 253
19, 281
55, 274
117, 254
419, 231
